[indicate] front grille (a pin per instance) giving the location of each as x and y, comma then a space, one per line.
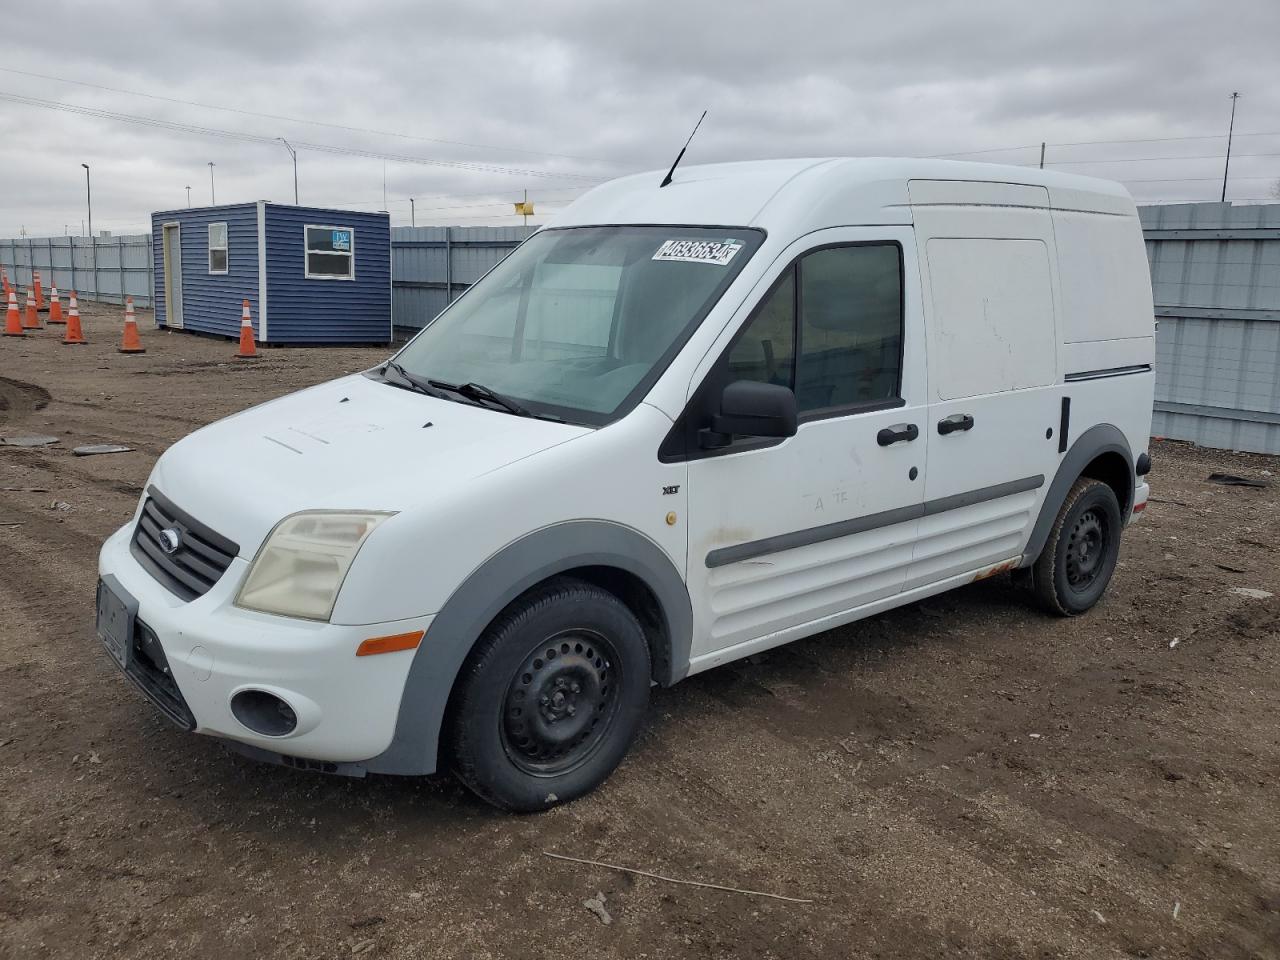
200, 560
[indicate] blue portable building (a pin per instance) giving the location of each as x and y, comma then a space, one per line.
310, 274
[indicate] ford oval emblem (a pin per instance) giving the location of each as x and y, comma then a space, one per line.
170, 540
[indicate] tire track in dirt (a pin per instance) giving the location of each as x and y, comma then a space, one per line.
107, 410
62, 467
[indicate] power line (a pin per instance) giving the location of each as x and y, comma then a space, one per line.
1193, 179
314, 123
175, 126
1213, 156
1094, 143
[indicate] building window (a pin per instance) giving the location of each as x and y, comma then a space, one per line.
331, 253
217, 248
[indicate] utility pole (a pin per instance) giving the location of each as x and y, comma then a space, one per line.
1041, 154
188, 197
88, 196
1230, 129
293, 153
213, 196
413, 219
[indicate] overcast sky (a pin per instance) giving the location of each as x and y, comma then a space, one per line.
478, 101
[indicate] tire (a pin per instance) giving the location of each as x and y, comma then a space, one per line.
551, 697
1074, 568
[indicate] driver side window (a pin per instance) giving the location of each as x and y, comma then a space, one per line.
766, 348
830, 329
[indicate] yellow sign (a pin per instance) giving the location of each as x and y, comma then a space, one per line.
524, 209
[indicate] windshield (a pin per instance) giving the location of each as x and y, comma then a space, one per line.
578, 323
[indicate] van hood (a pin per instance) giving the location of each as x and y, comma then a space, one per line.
351, 444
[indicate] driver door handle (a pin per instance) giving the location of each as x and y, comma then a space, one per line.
957, 421
897, 433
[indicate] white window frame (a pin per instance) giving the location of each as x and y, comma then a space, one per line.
225, 248
306, 252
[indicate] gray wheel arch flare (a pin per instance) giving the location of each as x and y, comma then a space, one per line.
1097, 440
494, 584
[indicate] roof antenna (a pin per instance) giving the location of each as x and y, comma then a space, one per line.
680, 155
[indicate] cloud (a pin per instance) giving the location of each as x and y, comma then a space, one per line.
612, 88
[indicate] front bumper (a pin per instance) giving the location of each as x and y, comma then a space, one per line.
346, 707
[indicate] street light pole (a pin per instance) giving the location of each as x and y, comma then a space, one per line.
188, 197
413, 219
88, 196
293, 153
1230, 129
213, 196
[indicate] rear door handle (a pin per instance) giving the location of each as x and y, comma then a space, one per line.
897, 433
957, 421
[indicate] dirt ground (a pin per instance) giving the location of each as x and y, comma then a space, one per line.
963, 777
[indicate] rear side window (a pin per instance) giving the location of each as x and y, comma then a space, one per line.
830, 329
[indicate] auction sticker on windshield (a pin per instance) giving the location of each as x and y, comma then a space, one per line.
719, 252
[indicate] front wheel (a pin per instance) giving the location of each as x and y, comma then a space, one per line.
1076, 564
551, 697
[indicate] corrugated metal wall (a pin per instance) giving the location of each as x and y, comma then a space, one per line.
211, 302
96, 269
432, 265
302, 310
1215, 274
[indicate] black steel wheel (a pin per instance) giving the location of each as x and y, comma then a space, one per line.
1086, 549
561, 703
551, 697
1079, 557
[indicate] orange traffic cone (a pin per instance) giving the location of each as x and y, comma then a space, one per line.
31, 320
73, 334
131, 342
55, 306
13, 319
248, 349
5, 277
35, 282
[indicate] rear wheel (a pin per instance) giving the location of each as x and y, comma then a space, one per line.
551, 697
1076, 564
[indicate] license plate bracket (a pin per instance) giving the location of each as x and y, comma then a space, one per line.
117, 611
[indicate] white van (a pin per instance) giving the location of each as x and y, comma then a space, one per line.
680, 425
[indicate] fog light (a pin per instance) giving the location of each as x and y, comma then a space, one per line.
264, 713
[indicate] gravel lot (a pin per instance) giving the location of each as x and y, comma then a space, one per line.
959, 778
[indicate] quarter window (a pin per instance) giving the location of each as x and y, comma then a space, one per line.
831, 329
330, 253
217, 248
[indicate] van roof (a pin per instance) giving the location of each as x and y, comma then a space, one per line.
802, 195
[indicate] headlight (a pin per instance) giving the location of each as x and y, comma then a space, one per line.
300, 568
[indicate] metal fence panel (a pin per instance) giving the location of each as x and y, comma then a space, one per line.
1215, 276
431, 266
102, 268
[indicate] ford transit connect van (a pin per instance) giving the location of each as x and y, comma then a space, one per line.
679, 425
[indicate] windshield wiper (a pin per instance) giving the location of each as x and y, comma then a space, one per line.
411, 382
478, 391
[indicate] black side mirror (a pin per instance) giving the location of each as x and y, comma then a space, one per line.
752, 409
